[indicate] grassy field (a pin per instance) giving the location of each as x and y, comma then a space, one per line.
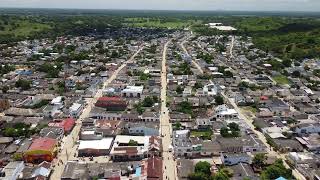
280, 79
203, 134
22, 28
259, 24
251, 109
158, 23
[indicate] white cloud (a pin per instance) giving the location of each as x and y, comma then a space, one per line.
286, 5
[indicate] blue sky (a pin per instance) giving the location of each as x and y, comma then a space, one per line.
251, 5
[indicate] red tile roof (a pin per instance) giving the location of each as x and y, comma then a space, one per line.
264, 98
106, 98
43, 144
66, 124
115, 102
154, 168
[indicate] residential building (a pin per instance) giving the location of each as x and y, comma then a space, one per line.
307, 128
129, 148
4, 104
145, 129
112, 103
75, 110
132, 91
246, 143
66, 124
12, 170
223, 112
150, 117
41, 149
230, 159
91, 148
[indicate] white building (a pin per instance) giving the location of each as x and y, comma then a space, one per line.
122, 150
132, 91
221, 27
109, 92
145, 129
301, 157
210, 90
150, 117
182, 144
187, 91
224, 113
57, 102
308, 128
12, 170
75, 110
235, 158
99, 147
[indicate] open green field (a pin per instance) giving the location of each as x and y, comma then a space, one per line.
22, 28
158, 23
280, 79
251, 109
204, 134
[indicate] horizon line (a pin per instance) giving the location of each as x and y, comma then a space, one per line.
190, 10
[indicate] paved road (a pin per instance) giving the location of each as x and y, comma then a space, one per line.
68, 147
169, 164
249, 121
193, 61
231, 47
269, 149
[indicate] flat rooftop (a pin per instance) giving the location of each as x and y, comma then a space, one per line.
104, 143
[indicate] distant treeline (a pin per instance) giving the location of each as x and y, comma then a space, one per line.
289, 35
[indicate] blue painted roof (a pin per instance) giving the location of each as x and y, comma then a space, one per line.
281, 178
138, 171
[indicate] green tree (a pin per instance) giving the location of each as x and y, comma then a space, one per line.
139, 108
259, 160
5, 89
155, 99
133, 143
228, 74
148, 102
179, 89
287, 62
177, 125
198, 85
219, 100
201, 171
198, 176
296, 74
203, 167
232, 130
185, 107
234, 126
220, 176
275, 171
23, 84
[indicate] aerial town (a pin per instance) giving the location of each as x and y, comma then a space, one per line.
155, 105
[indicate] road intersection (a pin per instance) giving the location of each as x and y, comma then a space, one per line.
169, 162
248, 120
69, 146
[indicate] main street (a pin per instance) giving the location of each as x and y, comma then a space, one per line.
193, 61
68, 146
169, 164
248, 120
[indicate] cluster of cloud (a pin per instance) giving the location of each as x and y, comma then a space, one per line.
252, 5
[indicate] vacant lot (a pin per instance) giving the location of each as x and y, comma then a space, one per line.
282, 80
158, 23
22, 28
